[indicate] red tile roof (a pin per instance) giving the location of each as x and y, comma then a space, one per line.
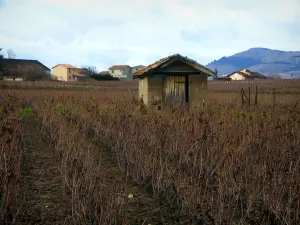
65, 65
104, 73
178, 57
118, 67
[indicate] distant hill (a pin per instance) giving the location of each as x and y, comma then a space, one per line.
262, 60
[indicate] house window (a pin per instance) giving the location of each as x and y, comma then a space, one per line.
70, 77
112, 71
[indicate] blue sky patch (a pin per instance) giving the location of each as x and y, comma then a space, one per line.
1, 3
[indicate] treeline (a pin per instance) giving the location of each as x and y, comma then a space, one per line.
100, 77
92, 73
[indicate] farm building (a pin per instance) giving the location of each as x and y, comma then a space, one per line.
246, 74
23, 69
174, 79
67, 72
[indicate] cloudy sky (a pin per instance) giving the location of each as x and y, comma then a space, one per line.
106, 32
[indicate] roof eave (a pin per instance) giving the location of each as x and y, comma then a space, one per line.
208, 72
195, 65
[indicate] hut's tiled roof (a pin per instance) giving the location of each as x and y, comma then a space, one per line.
175, 57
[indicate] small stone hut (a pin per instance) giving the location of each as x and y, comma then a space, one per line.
173, 80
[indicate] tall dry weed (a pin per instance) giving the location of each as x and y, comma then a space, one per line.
221, 165
10, 157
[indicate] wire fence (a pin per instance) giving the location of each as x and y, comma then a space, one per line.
236, 85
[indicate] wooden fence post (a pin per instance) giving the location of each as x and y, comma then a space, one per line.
274, 98
255, 95
242, 96
245, 97
249, 98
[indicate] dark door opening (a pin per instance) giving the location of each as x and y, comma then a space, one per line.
187, 88
176, 90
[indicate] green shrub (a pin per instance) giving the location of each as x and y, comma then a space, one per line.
27, 111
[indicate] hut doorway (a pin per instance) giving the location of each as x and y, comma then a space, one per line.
176, 89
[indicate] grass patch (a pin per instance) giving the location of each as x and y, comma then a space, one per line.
27, 111
60, 109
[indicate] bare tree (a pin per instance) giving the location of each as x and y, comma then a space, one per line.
11, 54
1, 54
89, 71
1, 65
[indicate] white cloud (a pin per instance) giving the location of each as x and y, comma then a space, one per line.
102, 33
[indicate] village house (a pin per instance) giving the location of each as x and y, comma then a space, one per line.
246, 74
174, 79
120, 71
135, 69
66, 72
123, 71
23, 69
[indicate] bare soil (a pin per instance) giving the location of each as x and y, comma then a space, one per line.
142, 208
41, 185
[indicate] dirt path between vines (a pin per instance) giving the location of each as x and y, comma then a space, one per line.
41, 185
143, 207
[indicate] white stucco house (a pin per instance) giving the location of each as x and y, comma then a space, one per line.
120, 71
136, 68
123, 71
